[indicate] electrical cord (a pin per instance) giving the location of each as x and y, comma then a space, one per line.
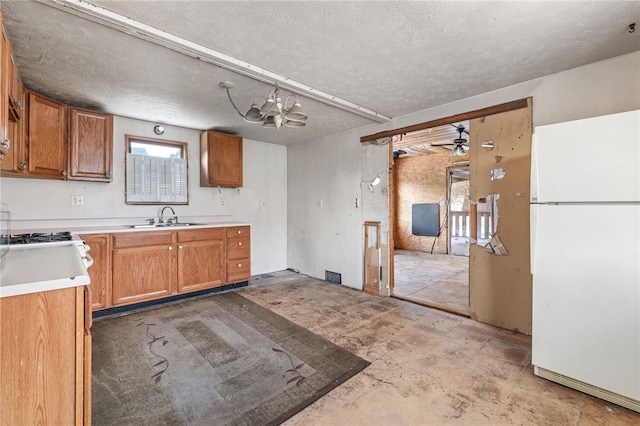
442, 225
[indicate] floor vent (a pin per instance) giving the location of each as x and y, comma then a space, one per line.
333, 277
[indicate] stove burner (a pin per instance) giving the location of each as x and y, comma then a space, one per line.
37, 237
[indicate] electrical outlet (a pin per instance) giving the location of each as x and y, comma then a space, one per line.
264, 204
321, 203
77, 200
222, 203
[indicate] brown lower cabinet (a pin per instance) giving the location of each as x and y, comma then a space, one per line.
201, 259
45, 358
143, 266
100, 271
238, 254
149, 265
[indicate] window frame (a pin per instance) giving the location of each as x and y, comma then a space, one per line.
183, 146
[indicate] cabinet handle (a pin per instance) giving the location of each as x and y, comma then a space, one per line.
63, 173
23, 165
107, 175
239, 265
170, 248
239, 244
179, 247
239, 232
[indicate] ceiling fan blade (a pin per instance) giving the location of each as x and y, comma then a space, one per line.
442, 143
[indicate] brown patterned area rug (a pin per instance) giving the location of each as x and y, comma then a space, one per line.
216, 360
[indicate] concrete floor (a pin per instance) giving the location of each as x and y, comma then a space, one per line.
438, 280
428, 367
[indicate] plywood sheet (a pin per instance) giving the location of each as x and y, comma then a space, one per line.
500, 286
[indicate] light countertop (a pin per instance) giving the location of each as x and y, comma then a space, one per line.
32, 268
117, 225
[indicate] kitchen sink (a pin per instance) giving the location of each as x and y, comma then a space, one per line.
163, 225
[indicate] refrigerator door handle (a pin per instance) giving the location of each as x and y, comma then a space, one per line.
534, 170
533, 235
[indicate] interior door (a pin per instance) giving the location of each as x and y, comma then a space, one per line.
499, 271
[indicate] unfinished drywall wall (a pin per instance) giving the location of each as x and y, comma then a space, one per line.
500, 285
421, 179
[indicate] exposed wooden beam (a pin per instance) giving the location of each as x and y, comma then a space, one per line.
496, 109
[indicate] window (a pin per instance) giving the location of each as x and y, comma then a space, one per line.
156, 171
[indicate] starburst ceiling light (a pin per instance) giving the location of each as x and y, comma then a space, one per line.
273, 113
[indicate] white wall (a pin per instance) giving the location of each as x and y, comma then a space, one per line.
265, 180
331, 168
324, 228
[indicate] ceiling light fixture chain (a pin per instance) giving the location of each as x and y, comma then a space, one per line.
273, 113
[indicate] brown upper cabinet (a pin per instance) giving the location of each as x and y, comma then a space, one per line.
220, 160
15, 89
46, 137
11, 105
90, 145
43, 138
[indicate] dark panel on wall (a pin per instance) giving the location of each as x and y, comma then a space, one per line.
425, 219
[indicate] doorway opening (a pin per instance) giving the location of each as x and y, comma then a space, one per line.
432, 269
459, 210
499, 273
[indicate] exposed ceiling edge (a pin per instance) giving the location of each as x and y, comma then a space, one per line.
137, 29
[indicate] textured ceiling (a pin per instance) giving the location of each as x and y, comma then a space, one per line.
395, 58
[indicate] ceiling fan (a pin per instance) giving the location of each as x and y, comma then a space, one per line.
461, 145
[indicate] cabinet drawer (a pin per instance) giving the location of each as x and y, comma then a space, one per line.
201, 234
237, 231
238, 248
138, 239
239, 270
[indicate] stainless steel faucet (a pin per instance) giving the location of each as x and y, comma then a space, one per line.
174, 218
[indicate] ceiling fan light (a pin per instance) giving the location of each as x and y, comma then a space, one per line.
458, 150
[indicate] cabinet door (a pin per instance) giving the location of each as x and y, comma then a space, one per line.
41, 357
142, 273
201, 264
91, 145
14, 160
46, 137
100, 271
4, 89
16, 88
221, 160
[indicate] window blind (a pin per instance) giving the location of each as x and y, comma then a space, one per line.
156, 179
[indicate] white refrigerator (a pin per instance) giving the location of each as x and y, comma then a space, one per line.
585, 255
